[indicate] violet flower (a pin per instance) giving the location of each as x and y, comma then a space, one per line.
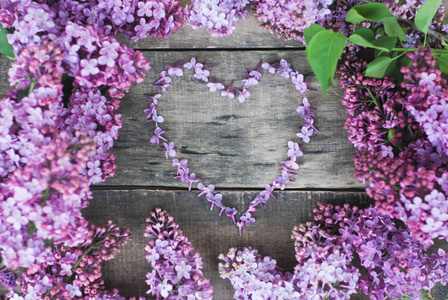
176, 264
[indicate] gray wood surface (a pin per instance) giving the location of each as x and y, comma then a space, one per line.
238, 147
230, 144
209, 233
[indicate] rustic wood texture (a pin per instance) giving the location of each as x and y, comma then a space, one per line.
232, 145
229, 144
209, 233
4, 84
248, 34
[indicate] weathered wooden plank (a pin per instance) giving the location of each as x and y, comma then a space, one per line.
248, 35
4, 83
209, 233
230, 144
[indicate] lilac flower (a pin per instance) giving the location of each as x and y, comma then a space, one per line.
191, 179
175, 71
299, 83
145, 9
291, 163
267, 66
214, 199
228, 93
387, 151
183, 270
164, 288
155, 139
156, 118
201, 74
169, 149
305, 109
243, 95
205, 189
252, 79
180, 164
191, 64
213, 87
182, 174
285, 68
305, 134
427, 79
294, 150
89, 67
247, 219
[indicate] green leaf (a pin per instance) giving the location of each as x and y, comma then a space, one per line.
374, 11
405, 61
365, 33
425, 14
45, 197
5, 47
392, 28
380, 67
443, 63
31, 228
323, 53
365, 37
311, 31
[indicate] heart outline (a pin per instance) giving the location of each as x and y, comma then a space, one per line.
289, 167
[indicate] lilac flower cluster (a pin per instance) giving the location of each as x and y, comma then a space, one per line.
324, 269
57, 126
427, 101
397, 264
289, 19
393, 264
290, 166
255, 277
70, 272
398, 132
92, 60
136, 19
176, 266
91, 111
41, 192
218, 16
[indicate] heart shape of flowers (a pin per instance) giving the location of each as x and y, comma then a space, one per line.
289, 167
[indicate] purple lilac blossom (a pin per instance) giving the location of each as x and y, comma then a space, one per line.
401, 152
393, 263
176, 266
289, 19
218, 16
72, 137
71, 272
36, 204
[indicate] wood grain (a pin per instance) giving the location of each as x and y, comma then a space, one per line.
5, 63
229, 144
209, 233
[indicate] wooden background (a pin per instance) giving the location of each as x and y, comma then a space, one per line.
237, 147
